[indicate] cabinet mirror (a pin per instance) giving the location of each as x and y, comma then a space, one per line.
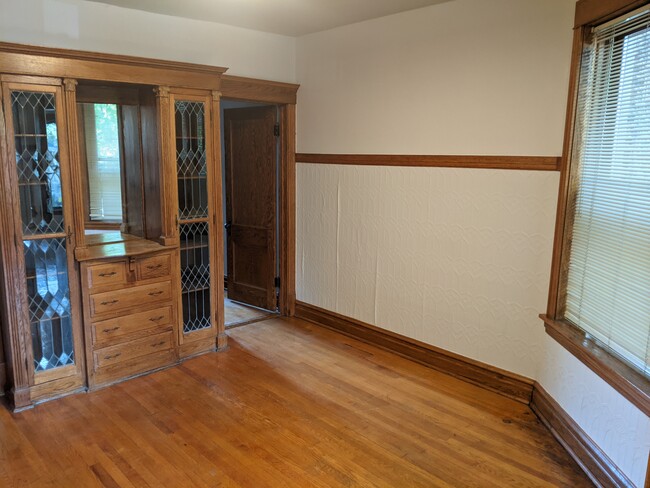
112, 151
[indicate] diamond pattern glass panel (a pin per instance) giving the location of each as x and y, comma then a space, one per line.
195, 276
37, 162
191, 160
49, 303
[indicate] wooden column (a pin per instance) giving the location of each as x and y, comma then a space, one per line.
222, 338
76, 172
14, 302
288, 210
169, 210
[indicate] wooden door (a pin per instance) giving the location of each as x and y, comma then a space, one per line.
40, 189
192, 130
250, 160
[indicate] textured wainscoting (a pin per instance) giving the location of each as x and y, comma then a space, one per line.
618, 427
456, 258
591, 458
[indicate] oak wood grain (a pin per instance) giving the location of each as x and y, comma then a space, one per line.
251, 212
630, 383
28, 60
563, 191
218, 266
130, 314
489, 377
535, 163
13, 271
288, 210
317, 409
591, 12
239, 88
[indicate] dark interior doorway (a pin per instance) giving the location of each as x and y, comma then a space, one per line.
250, 157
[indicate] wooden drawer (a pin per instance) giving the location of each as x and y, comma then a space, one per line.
115, 301
112, 330
120, 371
106, 274
153, 267
132, 349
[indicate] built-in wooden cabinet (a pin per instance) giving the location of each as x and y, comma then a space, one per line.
39, 239
130, 312
85, 303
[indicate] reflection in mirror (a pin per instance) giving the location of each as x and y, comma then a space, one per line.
103, 166
118, 149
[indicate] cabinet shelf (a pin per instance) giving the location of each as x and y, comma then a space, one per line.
194, 290
33, 183
193, 177
194, 246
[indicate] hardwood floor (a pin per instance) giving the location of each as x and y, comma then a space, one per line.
236, 313
289, 405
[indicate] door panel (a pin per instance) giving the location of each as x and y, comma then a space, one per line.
37, 141
250, 160
192, 124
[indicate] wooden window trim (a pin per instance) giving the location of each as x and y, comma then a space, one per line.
624, 379
629, 382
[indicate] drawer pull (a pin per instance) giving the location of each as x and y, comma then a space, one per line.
112, 329
155, 293
158, 343
106, 275
156, 319
110, 302
152, 267
113, 356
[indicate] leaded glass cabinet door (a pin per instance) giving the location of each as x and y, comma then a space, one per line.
195, 217
44, 237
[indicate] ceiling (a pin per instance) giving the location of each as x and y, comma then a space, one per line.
286, 17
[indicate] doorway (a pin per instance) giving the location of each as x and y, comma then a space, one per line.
251, 183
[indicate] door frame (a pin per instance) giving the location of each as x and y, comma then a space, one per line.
284, 96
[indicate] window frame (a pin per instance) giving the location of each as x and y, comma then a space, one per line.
629, 382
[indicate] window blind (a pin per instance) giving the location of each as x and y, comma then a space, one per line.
608, 279
103, 158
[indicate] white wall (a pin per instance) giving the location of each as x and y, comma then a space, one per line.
457, 258
617, 426
463, 77
90, 26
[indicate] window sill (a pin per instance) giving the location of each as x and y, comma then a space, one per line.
628, 382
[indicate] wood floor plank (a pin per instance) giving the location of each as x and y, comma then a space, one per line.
288, 405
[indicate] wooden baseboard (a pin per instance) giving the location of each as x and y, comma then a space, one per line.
591, 458
505, 383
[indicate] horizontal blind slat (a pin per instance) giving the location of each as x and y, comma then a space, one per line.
608, 282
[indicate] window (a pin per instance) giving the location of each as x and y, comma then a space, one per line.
607, 255
103, 158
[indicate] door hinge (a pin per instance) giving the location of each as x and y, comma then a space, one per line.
276, 130
277, 282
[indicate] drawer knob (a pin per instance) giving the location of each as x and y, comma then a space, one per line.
113, 329
157, 266
156, 319
105, 275
155, 293
158, 344
110, 302
113, 356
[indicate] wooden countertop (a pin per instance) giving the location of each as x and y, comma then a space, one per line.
114, 250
